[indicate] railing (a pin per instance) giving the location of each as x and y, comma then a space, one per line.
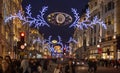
107, 39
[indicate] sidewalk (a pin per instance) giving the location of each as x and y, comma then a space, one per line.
99, 70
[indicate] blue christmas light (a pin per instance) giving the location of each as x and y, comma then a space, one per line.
50, 45
52, 49
66, 47
37, 40
60, 42
83, 25
71, 40
76, 15
37, 22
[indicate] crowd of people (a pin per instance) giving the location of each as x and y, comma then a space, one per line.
93, 63
8, 65
109, 63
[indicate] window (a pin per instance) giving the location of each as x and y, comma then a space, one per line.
95, 3
91, 31
95, 29
109, 20
105, 8
112, 20
108, 32
94, 40
91, 42
112, 5
109, 6
98, 14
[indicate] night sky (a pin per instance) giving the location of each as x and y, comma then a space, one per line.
56, 6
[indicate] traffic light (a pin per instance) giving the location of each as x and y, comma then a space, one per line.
20, 45
22, 37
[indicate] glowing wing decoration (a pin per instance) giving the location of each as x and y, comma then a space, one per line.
72, 40
37, 22
87, 22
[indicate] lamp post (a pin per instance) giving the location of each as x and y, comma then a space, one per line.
99, 50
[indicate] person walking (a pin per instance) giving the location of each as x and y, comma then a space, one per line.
58, 69
1, 58
25, 66
92, 65
6, 67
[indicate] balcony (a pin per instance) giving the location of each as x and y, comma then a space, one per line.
107, 39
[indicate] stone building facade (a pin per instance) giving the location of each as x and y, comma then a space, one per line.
99, 42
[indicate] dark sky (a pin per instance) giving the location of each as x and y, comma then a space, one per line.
56, 6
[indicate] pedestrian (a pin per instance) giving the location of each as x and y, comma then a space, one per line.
39, 69
58, 69
73, 65
67, 68
1, 58
50, 67
45, 67
92, 64
95, 65
6, 67
70, 67
25, 66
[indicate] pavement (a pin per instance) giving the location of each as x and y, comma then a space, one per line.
81, 69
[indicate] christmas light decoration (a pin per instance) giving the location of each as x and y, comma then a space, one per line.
50, 45
36, 40
66, 48
40, 21
87, 22
76, 15
37, 22
72, 40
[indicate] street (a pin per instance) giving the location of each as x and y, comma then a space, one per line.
59, 36
81, 69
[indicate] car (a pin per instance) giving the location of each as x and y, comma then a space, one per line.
80, 63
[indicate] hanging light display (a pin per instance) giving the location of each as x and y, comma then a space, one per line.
60, 18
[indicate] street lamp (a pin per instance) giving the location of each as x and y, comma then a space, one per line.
98, 46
